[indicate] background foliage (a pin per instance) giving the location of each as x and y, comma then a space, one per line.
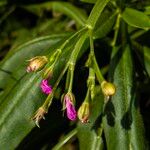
122, 49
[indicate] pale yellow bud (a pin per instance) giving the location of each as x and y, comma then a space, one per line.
84, 112
108, 88
36, 63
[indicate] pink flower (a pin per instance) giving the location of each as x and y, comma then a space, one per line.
47, 89
71, 112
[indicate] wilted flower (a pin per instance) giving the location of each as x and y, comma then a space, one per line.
108, 88
36, 63
84, 112
69, 105
47, 89
39, 115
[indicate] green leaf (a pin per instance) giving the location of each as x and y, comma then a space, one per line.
88, 133
96, 12
123, 125
136, 18
146, 51
17, 110
66, 8
23, 53
105, 26
147, 10
24, 97
73, 12
89, 1
65, 139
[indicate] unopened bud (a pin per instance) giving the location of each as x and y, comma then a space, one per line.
70, 107
36, 63
84, 112
108, 88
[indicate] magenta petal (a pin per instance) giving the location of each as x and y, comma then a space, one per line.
71, 112
47, 89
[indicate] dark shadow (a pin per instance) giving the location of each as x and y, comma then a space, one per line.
97, 122
109, 111
127, 120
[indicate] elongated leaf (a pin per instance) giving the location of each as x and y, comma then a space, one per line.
73, 12
123, 124
78, 15
12, 115
24, 52
87, 134
96, 12
105, 26
147, 59
89, 1
136, 18
19, 103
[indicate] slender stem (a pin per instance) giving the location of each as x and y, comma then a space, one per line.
116, 30
87, 95
96, 12
7, 13
60, 77
71, 80
59, 50
91, 74
49, 99
97, 71
91, 43
65, 139
71, 37
73, 59
67, 80
95, 65
77, 48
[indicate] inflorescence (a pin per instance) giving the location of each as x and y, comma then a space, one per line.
47, 64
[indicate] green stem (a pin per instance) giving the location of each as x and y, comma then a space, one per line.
71, 70
65, 139
67, 80
96, 12
97, 71
49, 99
87, 96
117, 25
94, 62
70, 38
73, 59
7, 13
91, 74
77, 48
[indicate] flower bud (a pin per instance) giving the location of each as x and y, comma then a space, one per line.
69, 106
36, 63
46, 88
108, 88
84, 112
